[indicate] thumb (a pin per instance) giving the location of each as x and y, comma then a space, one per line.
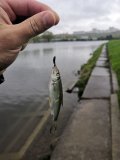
35, 25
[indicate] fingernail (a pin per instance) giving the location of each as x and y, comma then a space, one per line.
49, 19
57, 19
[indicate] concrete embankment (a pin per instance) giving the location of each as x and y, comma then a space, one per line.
93, 130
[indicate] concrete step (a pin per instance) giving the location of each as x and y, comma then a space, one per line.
100, 71
115, 121
101, 64
97, 87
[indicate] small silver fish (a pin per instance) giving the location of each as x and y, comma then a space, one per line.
55, 92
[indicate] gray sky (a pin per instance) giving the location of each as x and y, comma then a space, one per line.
77, 15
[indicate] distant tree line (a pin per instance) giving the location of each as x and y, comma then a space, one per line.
49, 36
45, 37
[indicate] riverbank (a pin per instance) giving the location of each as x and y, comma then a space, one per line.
86, 70
93, 130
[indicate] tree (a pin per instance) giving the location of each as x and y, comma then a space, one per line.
36, 39
109, 37
47, 36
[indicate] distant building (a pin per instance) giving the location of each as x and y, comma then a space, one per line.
94, 30
113, 29
95, 34
79, 32
94, 38
84, 37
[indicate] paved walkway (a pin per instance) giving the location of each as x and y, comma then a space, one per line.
93, 132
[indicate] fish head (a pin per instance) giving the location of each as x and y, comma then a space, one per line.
55, 74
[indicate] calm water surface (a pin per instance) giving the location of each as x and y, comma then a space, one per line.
27, 79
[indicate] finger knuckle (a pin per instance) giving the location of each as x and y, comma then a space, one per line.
34, 26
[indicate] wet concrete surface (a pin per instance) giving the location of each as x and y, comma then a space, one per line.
115, 121
98, 87
102, 59
101, 64
100, 71
87, 136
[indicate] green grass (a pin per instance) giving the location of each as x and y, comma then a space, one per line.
114, 55
86, 70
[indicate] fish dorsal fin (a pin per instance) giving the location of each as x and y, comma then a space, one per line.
54, 59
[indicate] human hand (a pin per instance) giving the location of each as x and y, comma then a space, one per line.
36, 17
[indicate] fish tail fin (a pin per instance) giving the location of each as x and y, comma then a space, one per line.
54, 58
53, 128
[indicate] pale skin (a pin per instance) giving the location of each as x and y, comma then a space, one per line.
36, 18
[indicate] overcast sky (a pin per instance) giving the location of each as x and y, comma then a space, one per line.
77, 15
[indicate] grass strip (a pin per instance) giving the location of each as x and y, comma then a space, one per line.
114, 56
86, 70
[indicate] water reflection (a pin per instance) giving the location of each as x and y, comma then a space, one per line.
36, 52
28, 77
48, 51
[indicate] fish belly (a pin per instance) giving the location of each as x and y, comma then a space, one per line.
55, 99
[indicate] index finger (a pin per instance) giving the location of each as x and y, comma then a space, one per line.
26, 8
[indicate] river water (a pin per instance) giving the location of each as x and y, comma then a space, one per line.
26, 80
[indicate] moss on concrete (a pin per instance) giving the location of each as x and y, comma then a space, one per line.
86, 70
